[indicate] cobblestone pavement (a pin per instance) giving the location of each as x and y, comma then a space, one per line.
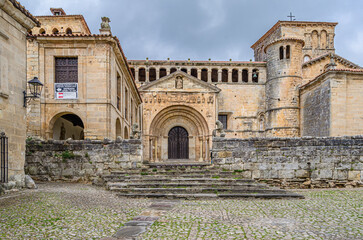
76, 211
65, 211
323, 214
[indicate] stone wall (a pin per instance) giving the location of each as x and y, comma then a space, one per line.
80, 161
294, 162
316, 111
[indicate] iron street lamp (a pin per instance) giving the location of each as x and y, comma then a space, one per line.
35, 87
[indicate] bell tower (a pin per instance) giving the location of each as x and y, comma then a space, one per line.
284, 74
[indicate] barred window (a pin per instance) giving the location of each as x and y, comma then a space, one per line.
66, 70
223, 119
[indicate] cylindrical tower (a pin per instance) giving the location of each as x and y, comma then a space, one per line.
284, 74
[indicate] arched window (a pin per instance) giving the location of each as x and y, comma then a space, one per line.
69, 31
255, 75
214, 75
224, 75
184, 70
323, 39
142, 75
172, 70
204, 75
42, 31
194, 72
152, 74
244, 75
314, 39
133, 72
162, 72
235, 75
288, 52
55, 31
307, 58
281, 52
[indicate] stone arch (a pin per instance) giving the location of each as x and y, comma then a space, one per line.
142, 74
323, 39
261, 122
69, 31
162, 72
234, 75
307, 58
245, 75
204, 75
314, 39
41, 31
55, 31
178, 115
60, 126
194, 72
224, 75
152, 74
118, 128
126, 133
214, 75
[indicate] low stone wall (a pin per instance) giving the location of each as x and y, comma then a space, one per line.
294, 162
80, 160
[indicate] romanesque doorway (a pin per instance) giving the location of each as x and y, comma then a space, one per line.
178, 143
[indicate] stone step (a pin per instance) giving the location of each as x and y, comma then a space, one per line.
211, 195
180, 180
197, 190
180, 185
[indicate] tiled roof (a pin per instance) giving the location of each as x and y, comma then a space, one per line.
68, 16
194, 61
317, 78
341, 59
93, 35
24, 11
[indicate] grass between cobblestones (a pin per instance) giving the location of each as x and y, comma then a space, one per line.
75, 211
323, 214
65, 211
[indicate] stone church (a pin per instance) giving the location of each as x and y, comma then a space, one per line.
297, 86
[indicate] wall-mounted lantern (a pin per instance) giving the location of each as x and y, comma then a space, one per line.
35, 87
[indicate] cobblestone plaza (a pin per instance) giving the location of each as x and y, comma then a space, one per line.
74, 211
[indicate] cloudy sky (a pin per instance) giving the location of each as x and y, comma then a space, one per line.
202, 29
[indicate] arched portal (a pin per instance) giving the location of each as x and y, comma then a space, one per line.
158, 145
118, 128
178, 143
68, 126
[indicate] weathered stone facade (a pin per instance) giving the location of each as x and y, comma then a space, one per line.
294, 162
15, 21
107, 102
80, 161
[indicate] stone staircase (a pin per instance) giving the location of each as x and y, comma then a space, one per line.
189, 181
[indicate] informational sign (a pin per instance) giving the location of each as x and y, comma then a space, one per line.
66, 90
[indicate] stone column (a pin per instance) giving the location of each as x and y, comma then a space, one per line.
200, 149
150, 150
240, 75
136, 74
206, 150
249, 75
147, 75
199, 74
189, 71
156, 149
219, 75
209, 75
157, 73
167, 71
229, 75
